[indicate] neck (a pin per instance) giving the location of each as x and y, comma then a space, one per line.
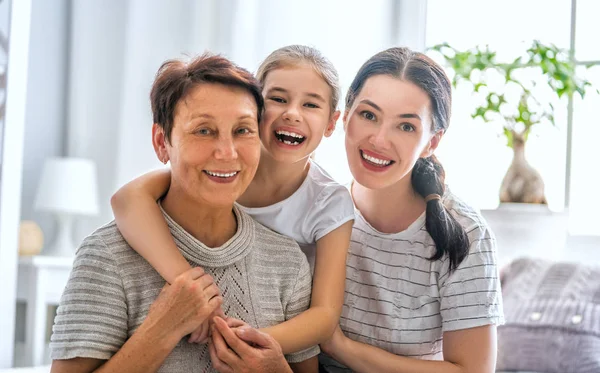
213, 226
389, 210
281, 179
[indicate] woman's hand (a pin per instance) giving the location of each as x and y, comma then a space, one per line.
202, 334
185, 305
335, 343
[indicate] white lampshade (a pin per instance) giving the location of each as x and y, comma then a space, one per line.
68, 185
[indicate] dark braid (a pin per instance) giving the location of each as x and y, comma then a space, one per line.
449, 236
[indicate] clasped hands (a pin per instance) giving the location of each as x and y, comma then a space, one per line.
192, 305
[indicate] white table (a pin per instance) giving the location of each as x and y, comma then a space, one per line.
41, 281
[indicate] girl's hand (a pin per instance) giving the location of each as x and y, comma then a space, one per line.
335, 343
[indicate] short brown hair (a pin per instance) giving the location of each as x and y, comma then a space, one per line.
175, 78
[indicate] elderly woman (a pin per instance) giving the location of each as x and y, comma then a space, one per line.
117, 313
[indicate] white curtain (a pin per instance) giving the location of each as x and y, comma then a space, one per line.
117, 47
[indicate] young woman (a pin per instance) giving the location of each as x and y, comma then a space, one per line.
422, 281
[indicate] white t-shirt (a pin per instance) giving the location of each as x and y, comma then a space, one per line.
398, 300
319, 206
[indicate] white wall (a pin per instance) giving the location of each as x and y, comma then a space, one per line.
46, 100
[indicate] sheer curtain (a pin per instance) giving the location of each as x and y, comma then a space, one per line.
116, 48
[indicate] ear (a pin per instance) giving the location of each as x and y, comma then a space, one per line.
332, 122
433, 144
159, 142
345, 119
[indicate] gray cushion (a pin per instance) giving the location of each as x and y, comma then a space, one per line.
552, 312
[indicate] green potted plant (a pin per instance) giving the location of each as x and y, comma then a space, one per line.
517, 95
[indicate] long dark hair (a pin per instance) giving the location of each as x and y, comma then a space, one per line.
428, 174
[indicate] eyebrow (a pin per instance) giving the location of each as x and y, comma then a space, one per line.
376, 107
201, 115
310, 94
208, 116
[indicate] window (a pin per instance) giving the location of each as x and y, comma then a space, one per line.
508, 28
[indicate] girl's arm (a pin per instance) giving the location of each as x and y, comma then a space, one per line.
465, 351
143, 226
316, 325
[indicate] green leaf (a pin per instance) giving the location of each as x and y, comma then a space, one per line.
551, 62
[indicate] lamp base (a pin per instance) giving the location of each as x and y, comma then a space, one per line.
63, 244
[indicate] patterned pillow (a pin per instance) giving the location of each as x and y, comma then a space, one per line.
552, 312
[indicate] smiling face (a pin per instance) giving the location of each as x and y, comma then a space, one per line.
214, 148
388, 128
297, 112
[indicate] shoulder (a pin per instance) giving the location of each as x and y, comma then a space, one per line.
468, 217
326, 192
105, 247
105, 240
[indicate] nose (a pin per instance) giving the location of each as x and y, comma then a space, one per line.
226, 149
379, 139
291, 114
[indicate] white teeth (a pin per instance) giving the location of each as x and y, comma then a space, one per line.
292, 134
222, 175
375, 160
289, 142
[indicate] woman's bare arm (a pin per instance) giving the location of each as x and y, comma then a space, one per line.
465, 351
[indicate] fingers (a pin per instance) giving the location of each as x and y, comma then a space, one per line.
192, 274
235, 323
255, 337
201, 334
205, 281
219, 312
217, 363
215, 302
235, 343
211, 291
222, 351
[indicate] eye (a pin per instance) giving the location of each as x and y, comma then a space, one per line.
204, 131
406, 127
277, 99
368, 115
243, 131
311, 105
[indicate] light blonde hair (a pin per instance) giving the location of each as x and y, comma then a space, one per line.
293, 55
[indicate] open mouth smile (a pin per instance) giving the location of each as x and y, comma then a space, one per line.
375, 161
289, 138
221, 176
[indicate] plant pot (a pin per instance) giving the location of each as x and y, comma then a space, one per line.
522, 183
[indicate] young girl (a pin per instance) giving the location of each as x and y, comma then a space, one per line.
422, 280
290, 193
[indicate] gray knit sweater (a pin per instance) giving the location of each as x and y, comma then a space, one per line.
264, 279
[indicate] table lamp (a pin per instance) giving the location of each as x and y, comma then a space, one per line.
68, 188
